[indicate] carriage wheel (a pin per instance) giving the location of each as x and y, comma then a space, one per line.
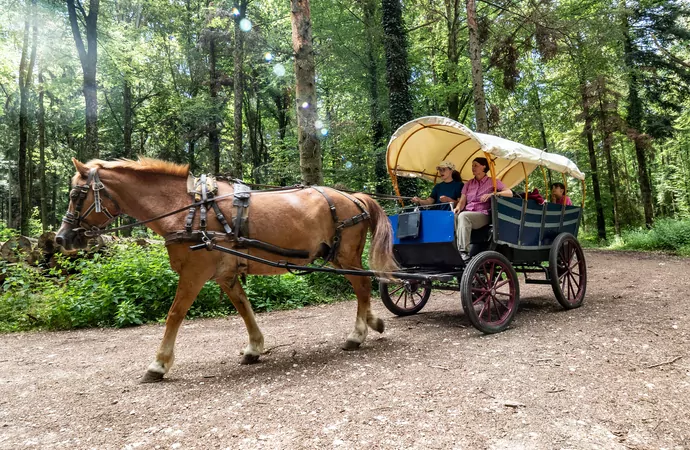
405, 298
490, 292
568, 271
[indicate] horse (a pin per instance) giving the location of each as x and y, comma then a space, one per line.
300, 218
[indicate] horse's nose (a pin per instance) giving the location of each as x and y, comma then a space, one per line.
60, 240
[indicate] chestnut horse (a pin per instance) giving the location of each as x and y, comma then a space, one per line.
292, 219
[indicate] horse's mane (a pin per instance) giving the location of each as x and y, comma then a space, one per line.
149, 165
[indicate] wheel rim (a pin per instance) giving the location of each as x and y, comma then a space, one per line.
571, 270
493, 293
406, 295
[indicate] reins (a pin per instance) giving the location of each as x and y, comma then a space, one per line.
98, 231
270, 187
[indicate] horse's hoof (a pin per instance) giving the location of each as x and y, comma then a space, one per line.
378, 325
249, 359
151, 377
351, 345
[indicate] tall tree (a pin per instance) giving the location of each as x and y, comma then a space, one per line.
26, 67
477, 72
585, 97
305, 74
634, 120
372, 77
397, 68
88, 57
42, 151
238, 77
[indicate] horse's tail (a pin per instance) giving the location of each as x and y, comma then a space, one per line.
381, 257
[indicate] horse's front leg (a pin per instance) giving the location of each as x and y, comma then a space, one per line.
192, 279
238, 297
362, 287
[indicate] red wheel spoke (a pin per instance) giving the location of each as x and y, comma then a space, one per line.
397, 289
403, 293
577, 285
501, 284
571, 289
482, 299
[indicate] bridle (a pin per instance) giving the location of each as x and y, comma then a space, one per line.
78, 194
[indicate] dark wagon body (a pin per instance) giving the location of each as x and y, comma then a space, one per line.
538, 240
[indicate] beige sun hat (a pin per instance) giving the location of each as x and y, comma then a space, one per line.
446, 164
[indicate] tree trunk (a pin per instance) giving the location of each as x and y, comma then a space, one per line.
305, 75
377, 133
477, 74
542, 132
397, 69
127, 117
634, 120
26, 66
214, 132
601, 223
397, 75
609, 159
452, 26
42, 154
238, 96
87, 57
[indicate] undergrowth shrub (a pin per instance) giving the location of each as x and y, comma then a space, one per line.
130, 285
666, 234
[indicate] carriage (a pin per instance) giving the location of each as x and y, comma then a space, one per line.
289, 228
523, 236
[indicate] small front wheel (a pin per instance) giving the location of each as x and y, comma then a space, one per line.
405, 298
490, 292
568, 271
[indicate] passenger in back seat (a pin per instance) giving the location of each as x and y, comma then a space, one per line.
475, 204
558, 195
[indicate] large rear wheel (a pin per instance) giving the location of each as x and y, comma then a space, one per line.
490, 292
405, 298
568, 271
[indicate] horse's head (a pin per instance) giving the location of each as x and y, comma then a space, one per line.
88, 209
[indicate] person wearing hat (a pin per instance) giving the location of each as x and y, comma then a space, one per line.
447, 192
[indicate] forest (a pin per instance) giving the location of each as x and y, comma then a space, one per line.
217, 85
280, 93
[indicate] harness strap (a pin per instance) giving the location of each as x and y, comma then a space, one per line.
241, 203
339, 225
338, 229
204, 199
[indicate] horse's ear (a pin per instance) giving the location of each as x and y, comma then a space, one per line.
81, 168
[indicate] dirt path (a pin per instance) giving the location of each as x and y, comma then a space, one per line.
612, 374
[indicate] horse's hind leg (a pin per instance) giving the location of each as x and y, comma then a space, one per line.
362, 287
238, 297
188, 287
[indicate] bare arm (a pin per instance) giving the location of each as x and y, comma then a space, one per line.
423, 201
503, 193
461, 204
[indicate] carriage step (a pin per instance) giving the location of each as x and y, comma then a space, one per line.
532, 281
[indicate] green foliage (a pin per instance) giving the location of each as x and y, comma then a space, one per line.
6, 233
667, 235
131, 285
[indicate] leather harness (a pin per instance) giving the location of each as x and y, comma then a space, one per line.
203, 191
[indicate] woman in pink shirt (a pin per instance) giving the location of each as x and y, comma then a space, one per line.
475, 204
558, 195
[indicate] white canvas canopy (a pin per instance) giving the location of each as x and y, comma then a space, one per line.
417, 147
